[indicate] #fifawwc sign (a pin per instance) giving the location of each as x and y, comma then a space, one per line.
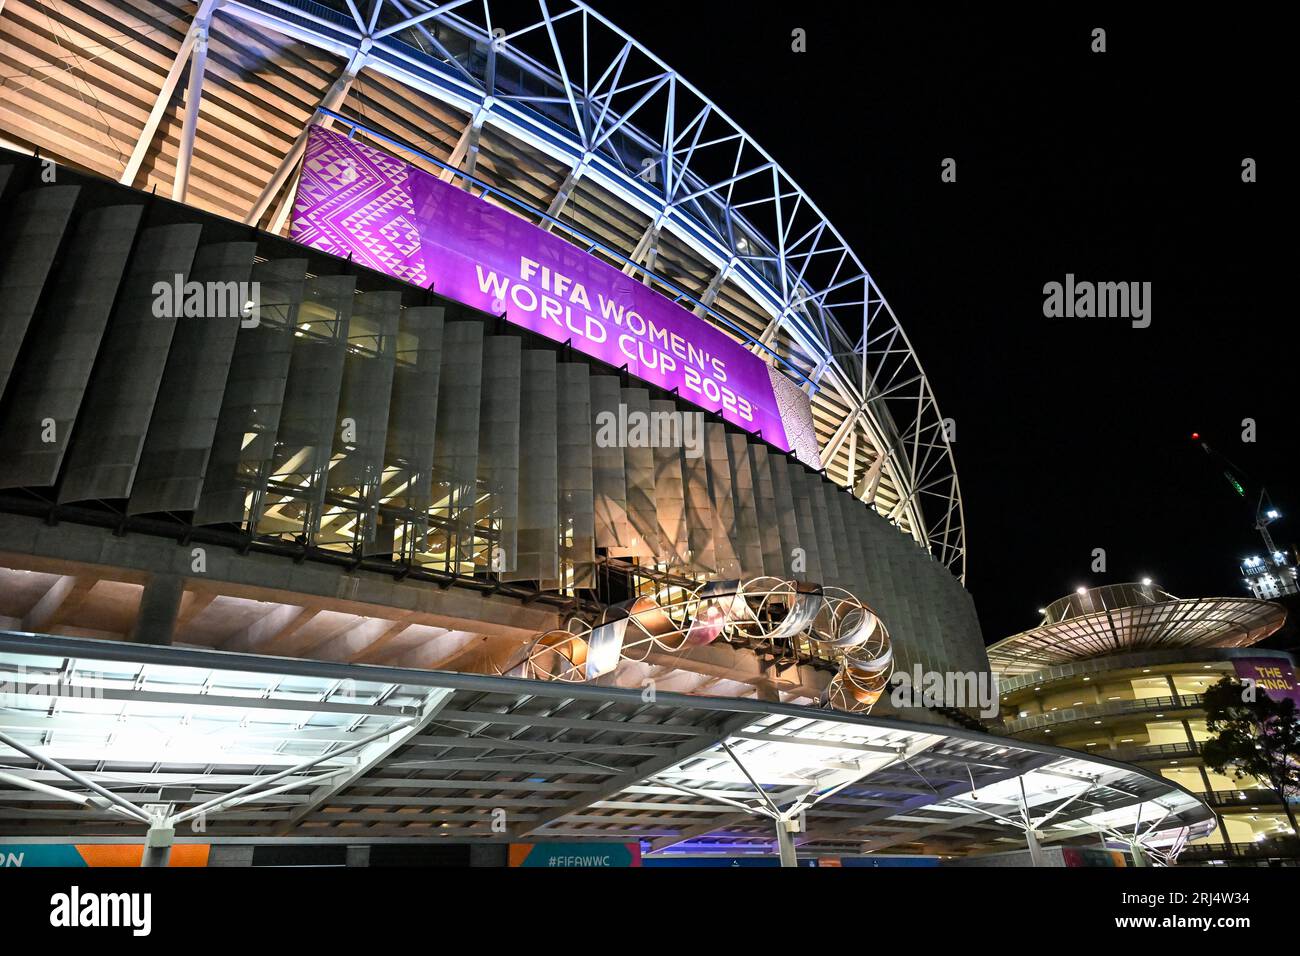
404, 221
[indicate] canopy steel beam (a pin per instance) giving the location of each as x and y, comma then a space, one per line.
261, 784
643, 771
332, 100
198, 28
371, 757
119, 801
189, 128
797, 795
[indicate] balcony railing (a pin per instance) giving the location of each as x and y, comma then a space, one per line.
1284, 847
1148, 751
1068, 714
1222, 799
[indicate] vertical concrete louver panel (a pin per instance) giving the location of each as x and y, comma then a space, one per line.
608, 476
972, 634
838, 535
498, 450
927, 629
725, 534
853, 514
412, 424
244, 440
129, 367
882, 591
749, 549
769, 532
539, 482
895, 603
779, 467
304, 440
34, 227
363, 415
575, 470
853, 511
639, 462
822, 523
807, 529
670, 493
854, 572
923, 626
455, 448
45, 394
952, 623
939, 616
867, 549
179, 440
700, 521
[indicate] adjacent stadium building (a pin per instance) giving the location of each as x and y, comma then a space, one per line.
446, 423
1120, 671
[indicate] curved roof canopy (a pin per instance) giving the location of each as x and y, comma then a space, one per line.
1131, 617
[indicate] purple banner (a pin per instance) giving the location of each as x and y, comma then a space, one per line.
396, 218
1273, 675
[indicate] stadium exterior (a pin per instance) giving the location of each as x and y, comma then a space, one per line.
259, 429
1120, 672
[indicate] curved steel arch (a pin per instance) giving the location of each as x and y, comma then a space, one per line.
714, 189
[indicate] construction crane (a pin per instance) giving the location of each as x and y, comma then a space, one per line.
1265, 514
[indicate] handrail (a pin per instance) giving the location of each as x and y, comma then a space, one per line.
1286, 846
1068, 715
1147, 751
1230, 798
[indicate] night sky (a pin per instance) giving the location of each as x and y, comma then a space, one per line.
1072, 434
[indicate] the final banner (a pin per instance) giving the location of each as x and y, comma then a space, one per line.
404, 221
1273, 675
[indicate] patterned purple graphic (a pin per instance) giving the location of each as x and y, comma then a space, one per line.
408, 223
353, 199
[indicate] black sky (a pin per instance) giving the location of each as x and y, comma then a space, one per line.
1123, 166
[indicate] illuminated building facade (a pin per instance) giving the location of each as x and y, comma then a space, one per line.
1269, 577
1120, 671
384, 422
315, 321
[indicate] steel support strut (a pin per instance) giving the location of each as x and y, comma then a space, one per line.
113, 798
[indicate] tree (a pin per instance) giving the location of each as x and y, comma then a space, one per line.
1254, 736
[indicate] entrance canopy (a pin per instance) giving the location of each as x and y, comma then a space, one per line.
246, 746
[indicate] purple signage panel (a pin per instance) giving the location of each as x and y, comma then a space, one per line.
353, 200
1273, 675
404, 221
